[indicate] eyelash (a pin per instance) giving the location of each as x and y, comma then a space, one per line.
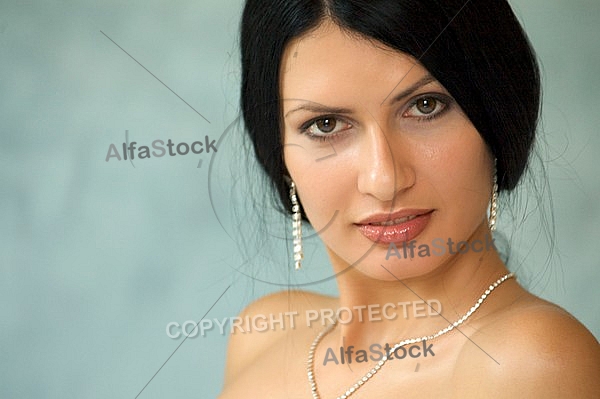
439, 98
446, 101
304, 129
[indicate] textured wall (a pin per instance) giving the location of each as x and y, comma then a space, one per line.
96, 257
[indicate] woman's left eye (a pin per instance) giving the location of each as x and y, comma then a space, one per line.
426, 108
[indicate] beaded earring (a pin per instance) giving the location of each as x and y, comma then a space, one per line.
296, 227
494, 202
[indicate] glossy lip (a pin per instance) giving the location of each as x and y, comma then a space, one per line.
405, 231
387, 216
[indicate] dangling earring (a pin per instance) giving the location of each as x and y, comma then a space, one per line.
296, 227
494, 203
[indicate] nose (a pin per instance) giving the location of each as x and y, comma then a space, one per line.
384, 168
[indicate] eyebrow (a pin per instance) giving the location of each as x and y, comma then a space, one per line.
319, 109
425, 80
323, 109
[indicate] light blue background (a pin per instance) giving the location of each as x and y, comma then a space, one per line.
97, 257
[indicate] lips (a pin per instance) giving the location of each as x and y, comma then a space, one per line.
400, 226
394, 222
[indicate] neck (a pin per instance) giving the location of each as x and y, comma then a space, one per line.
375, 311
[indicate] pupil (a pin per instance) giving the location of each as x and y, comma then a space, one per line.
426, 105
326, 125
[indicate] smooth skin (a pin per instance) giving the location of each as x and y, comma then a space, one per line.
399, 141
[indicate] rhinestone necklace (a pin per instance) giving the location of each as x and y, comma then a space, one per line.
374, 370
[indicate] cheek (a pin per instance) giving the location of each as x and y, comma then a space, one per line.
324, 184
463, 179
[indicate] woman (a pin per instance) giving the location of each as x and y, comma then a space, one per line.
391, 127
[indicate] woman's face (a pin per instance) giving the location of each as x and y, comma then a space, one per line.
380, 154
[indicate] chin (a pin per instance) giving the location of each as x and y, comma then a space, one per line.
378, 261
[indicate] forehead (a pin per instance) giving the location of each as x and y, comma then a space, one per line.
329, 60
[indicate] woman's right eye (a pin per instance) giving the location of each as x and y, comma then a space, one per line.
324, 128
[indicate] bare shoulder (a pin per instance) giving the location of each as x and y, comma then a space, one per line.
534, 349
268, 320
